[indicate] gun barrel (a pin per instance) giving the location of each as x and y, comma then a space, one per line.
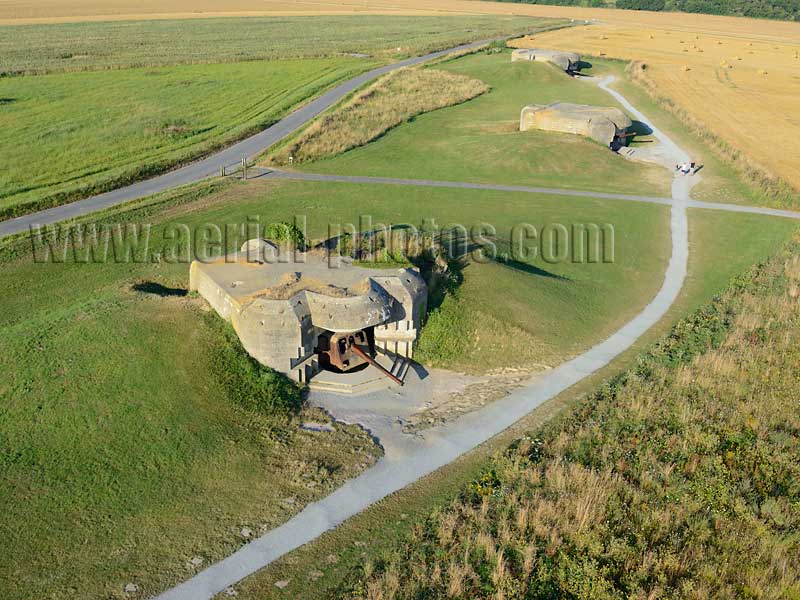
375, 364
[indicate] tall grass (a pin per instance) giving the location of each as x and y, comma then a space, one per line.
753, 173
389, 102
678, 479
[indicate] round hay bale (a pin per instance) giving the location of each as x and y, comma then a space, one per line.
762, 72
685, 68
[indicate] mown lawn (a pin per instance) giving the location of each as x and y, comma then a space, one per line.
480, 141
720, 182
723, 246
73, 134
127, 450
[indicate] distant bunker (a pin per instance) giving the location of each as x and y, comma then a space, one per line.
606, 125
568, 61
309, 312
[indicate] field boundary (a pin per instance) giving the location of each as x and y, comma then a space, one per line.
748, 168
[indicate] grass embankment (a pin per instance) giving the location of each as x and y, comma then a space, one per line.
126, 447
678, 479
479, 141
777, 190
750, 69
37, 49
720, 182
390, 101
730, 244
71, 135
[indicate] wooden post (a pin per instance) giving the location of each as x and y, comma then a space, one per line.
244, 168
222, 171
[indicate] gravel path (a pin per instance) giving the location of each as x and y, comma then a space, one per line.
360, 179
410, 457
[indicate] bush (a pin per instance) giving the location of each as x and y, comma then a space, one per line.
286, 232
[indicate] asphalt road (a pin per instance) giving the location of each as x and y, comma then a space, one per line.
211, 165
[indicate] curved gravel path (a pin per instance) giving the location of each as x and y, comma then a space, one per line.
409, 458
229, 157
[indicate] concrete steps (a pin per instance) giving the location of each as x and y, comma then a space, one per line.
363, 381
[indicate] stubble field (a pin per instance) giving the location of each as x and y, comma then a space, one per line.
741, 87
752, 113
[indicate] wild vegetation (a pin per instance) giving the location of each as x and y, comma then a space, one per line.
678, 479
36, 49
479, 141
390, 101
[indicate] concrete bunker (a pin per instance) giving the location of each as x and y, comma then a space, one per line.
313, 312
604, 124
568, 61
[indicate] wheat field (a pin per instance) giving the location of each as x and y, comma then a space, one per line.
738, 77
743, 88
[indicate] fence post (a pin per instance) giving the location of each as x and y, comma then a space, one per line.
244, 168
222, 171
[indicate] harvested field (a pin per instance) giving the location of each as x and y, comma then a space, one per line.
763, 85
390, 101
754, 83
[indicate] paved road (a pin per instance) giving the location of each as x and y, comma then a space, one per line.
409, 458
210, 166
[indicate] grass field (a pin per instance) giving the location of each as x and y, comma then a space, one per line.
730, 244
480, 141
70, 135
96, 46
720, 182
765, 137
390, 101
677, 480
754, 83
110, 385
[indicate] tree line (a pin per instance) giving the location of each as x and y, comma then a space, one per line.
787, 10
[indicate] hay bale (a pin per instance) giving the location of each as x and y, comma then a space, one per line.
685, 68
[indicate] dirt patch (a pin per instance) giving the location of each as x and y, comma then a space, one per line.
473, 396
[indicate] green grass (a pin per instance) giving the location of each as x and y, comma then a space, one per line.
679, 479
723, 245
126, 450
479, 140
124, 44
70, 135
